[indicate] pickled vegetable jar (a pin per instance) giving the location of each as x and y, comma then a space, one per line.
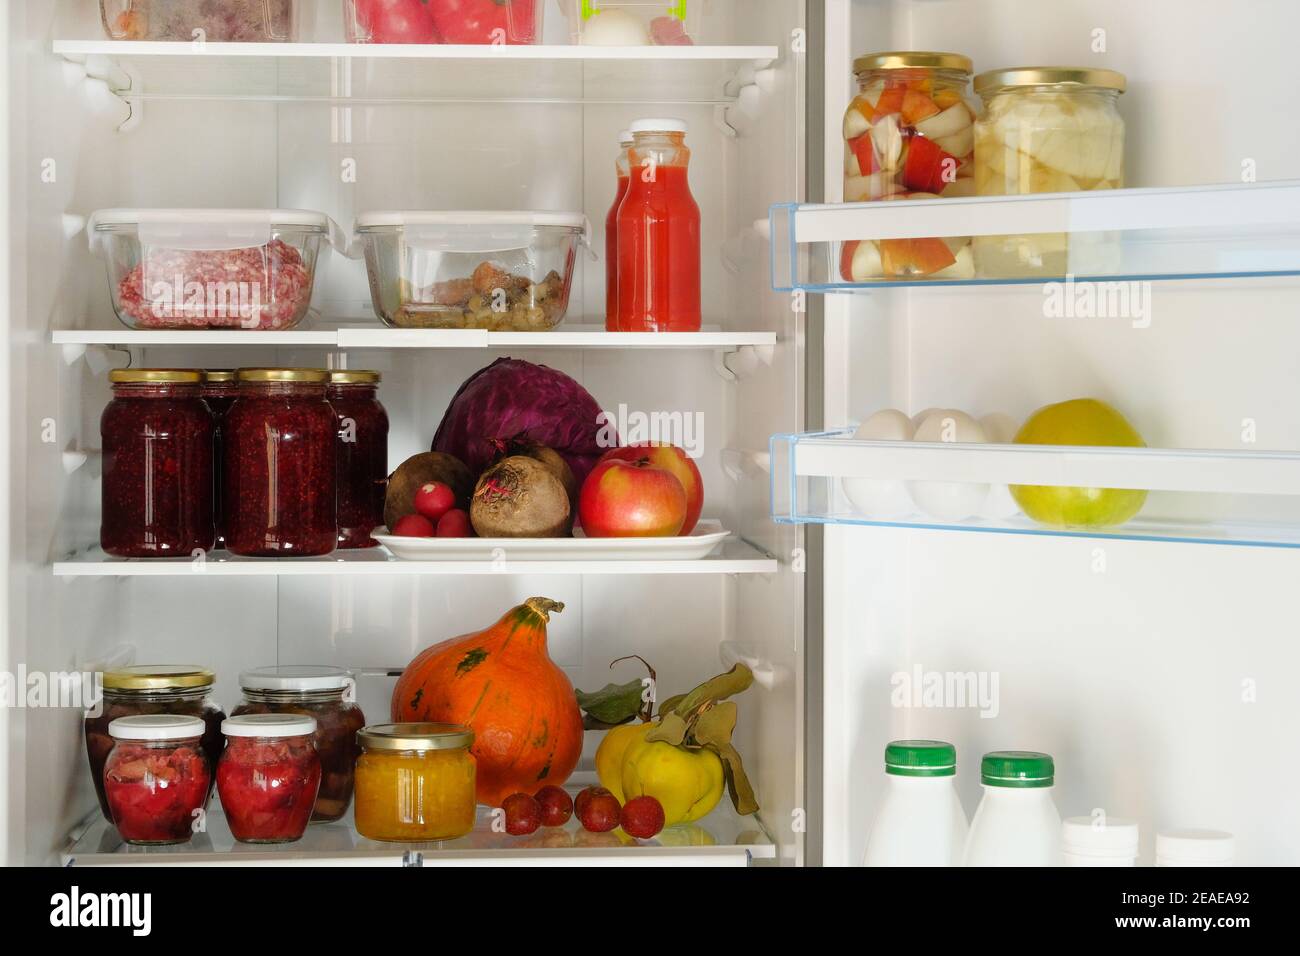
908, 134
278, 490
156, 491
415, 782
219, 388
268, 776
361, 455
1047, 130
156, 777
326, 694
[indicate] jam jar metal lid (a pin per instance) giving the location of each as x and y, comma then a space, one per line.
155, 376
1049, 76
155, 727
350, 376
216, 376
158, 677
268, 725
912, 60
416, 736
311, 376
295, 677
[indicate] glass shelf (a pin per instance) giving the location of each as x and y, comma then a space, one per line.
1194, 232
1199, 496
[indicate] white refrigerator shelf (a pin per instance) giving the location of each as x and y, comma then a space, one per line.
1201, 496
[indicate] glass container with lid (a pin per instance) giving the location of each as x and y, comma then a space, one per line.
361, 455
156, 778
268, 776
415, 782
329, 695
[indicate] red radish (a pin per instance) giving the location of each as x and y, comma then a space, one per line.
642, 817
455, 524
523, 814
435, 499
414, 526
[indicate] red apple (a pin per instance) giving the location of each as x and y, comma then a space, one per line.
435, 499
414, 526
631, 499
674, 459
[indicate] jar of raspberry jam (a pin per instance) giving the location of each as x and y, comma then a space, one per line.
218, 390
278, 447
328, 694
156, 434
268, 776
156, 778
149, 690
361, 464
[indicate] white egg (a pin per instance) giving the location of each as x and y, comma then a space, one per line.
922, 416
949, 500
880, 499
615, 28
1000, 430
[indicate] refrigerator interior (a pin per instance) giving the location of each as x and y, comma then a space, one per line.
1154, 673
420, 133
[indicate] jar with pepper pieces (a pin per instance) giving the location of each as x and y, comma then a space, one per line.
268, 776
156, 777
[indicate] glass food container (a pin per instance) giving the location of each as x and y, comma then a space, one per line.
148, 690
1047, 130
511, 22
156, 778
415, 782
279, 482
634, 22
219, 390
268, 776
249, 269
326, 694
500, 271
908, 134
361, 455
156, 492
216, 21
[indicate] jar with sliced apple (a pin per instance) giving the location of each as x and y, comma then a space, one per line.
908, 134
1048, 130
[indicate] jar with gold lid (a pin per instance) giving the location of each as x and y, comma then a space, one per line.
415, 782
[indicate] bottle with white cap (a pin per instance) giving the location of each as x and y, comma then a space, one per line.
1017, 823
921, 822
623, 172
1195, 848
1099, 841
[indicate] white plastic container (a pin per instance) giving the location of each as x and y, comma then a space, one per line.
211, 268
510, 22
921, 822
1195, 848
215, 21
1099, 841
634, 22
1017, 823
501, 271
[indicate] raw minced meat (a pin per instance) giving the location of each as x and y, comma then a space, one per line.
263, 287
222, 21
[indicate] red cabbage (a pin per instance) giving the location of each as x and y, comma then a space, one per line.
512, 401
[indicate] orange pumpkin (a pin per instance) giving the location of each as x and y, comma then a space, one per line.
502, 683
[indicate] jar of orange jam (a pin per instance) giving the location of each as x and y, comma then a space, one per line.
415, 782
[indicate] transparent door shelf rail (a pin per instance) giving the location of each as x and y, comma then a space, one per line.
1193, 232
1196, 495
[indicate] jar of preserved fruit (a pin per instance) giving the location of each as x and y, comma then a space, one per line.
156, 435
147, 690
908, 134
268, 776
327, 694
219, 388
156, 778
279, 486
361, 455
415, 782
1048, 130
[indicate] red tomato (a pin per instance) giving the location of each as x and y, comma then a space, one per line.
396, 21
477, 21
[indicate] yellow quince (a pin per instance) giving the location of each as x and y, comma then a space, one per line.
687, 783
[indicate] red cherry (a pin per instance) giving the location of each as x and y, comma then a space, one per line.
414, 526
523, 814
455, 524
434, 500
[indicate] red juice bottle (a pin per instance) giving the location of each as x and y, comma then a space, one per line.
622, 169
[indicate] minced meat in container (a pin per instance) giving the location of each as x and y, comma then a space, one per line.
211, 268
214, 21
500, 271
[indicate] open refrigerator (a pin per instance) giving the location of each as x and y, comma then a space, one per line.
1147, 662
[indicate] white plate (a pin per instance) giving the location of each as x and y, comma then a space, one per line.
698, 544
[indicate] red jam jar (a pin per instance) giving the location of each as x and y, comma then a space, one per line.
149, 690
156, 434
218, 390
156, 778
278, 444
361, 455
268, 777
327, 694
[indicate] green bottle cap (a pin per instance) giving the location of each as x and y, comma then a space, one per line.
920, 758
1017, 768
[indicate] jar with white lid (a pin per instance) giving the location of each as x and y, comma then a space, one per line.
1099, 841
156, 777
1195, 848
268, 776
327, 694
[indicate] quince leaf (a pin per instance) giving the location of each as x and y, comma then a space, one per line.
671, 730
613, 704
713, 729
721, 687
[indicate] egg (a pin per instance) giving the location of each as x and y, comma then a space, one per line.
615, 28
1000, 430
949, 500
880, 499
